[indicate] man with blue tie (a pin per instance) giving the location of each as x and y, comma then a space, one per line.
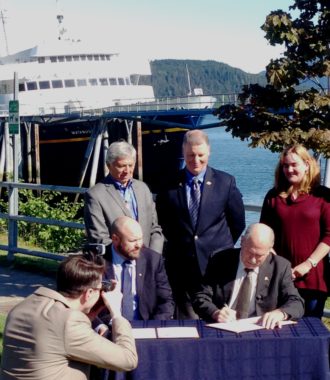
139, 272
200, 212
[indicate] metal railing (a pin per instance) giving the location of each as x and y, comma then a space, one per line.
13, 217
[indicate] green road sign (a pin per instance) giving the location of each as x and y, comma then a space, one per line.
13, 117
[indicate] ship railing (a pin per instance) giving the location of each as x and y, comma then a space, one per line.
128, 105
13, 218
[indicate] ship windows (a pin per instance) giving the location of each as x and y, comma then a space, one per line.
32, 86
83, 57
103, 81
76, 57
57, 83
102, 56
41, 59
68, 58
92, 81
96, 57
53, 59
69, 83
90, 57
44, 85
61, 59
107, 57
81, 82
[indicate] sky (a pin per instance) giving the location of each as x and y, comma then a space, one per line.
226, 31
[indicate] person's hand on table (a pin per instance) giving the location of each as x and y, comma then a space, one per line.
224, 315
273, 319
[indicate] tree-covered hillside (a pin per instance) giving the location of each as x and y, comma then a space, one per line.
170, 78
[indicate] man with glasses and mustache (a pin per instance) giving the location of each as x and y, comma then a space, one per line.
49, 334
251, 281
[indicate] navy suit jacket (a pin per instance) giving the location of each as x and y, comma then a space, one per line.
152, 287
220, 223
275, 288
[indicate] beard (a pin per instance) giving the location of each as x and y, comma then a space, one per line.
132, 255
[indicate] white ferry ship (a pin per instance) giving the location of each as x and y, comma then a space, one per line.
64, 74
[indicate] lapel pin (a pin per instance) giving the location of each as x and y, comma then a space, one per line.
180, 184
140, 274
266, 278
209, 183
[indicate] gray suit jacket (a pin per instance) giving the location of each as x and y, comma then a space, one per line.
104, 204
275, 288
45, 339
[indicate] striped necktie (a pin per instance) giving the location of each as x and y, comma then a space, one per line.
195, 196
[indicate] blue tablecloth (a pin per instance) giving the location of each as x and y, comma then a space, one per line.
295, 352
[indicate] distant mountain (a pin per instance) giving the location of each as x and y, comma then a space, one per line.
170, 78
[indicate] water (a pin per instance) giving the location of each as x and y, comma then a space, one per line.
253, 168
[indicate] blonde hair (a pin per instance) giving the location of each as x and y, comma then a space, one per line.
310, 180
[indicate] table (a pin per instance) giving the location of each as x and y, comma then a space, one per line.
295, 352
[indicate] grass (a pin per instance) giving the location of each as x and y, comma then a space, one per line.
2, 326
26, 262
30, 263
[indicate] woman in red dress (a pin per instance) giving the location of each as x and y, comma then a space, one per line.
298, 210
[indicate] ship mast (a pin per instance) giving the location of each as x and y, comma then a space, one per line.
60, 17
189, 84
2, 16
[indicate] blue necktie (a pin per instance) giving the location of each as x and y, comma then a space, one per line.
127, 303
195, 196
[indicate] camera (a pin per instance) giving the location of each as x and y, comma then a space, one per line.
107, 286
95, 248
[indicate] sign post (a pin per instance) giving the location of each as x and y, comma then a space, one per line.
13, 117
14, 127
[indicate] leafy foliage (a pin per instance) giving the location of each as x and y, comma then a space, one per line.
282, 113
49, 205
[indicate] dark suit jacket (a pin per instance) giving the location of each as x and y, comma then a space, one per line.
275, 288
152, 287
104, 204
220, 223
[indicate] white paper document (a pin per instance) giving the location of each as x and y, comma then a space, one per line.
177, 332
243, 325
147, 333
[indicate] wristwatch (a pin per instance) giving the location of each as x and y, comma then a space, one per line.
313, 262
